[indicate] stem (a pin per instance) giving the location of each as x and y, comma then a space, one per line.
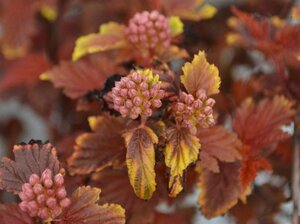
295, 170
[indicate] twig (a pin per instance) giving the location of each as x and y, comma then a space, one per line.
295, 170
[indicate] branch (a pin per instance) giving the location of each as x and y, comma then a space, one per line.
295, 170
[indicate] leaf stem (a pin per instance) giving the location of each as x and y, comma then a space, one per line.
295, 170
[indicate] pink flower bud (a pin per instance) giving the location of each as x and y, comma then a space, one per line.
130, 84
128, 104
51, 202
48, 183
33, 179
22, 196
197, 104
161, 94
201, 94
61, 193
50, 192
156, 103
116, 91
47, 174
26, 187
123, 110
123, 92
210, 102
41, 199
180, 106
133, 115
136, 77
136, 110
65, 202
146, 94
200, 118
207, 110
132, 93
23, 206
137, 101
144, 86
147, 112
118, 101
32, 206
43, 213
147, 104
38, 188
59, 180
189, 99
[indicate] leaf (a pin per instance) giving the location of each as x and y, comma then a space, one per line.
12, 214
217, 145
140, 159
181, 150
200, 75
219, 191
99, 149
111, 36
78, 78
190, 9
116, 188
32, 158
85, 210
261, 124
252, 163
176, 25
23, 71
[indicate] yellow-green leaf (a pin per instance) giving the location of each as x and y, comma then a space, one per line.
111, 36
201, 75
140, 159
181, 150
176, 25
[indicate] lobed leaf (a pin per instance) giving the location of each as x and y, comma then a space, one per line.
140, 159
12, 214
85, 210
181, 150
219, 191
29, 159
99, 149
111, 36
261, 124
78, 78
217, 145
200, 75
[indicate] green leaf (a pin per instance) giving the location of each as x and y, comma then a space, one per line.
181, 150
176, 25
140, 159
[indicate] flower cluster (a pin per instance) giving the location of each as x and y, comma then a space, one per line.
44, 196
137, 94
192, 112
149, 30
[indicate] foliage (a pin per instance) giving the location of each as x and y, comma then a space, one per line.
153, 102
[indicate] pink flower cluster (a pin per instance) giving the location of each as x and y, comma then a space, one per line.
44, 196
192, 112
149, 30
137, 94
